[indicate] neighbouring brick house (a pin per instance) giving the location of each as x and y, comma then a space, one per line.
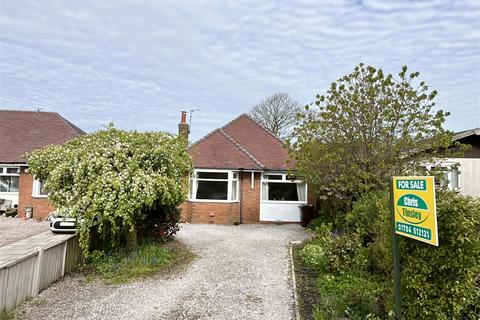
21, 132
241, 176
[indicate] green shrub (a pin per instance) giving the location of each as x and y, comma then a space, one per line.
370, 220
439, 282
352, 296
337, 254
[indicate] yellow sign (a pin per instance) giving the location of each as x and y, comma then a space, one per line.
414, 208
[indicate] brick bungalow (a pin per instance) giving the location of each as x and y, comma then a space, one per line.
241, 176
21, 132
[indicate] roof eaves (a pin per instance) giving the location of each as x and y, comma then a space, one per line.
467, 133
74, 127
242, 148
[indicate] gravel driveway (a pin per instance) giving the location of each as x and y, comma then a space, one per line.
14, 229
241, 272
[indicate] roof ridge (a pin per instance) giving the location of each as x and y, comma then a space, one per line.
242, 148
31, 111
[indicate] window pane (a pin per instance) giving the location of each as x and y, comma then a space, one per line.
454, 180
282, 191
212, 175
41, 189
234, 190
273, 177
8, 184
212, 190
12, 170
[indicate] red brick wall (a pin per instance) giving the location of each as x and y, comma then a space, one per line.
250, 198
210, 212
41, 206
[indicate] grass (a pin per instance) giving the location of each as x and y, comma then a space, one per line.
152, 257
6, 315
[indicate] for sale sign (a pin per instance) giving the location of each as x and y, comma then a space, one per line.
414, 208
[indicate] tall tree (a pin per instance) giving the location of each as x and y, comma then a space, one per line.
277, 113
367, 127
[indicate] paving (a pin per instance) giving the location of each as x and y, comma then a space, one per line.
23, 248
14, 229
240, 272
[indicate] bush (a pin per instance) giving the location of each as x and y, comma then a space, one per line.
336, 254
439, 282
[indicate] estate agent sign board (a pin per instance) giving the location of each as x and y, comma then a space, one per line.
415, 214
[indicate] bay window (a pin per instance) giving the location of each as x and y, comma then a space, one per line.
276, 187
214, 185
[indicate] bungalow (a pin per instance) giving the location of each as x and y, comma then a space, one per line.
21, 132
241, 176
463, 174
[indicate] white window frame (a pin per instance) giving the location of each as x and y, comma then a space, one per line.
283, 180
36, 187
3, 172
193, 185
449, 171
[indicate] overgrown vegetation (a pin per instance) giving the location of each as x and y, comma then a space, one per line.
368, 127
353, 269
151, 257
119, 185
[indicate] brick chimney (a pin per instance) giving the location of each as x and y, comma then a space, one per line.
183, 127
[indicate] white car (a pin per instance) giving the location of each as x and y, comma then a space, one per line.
58, 223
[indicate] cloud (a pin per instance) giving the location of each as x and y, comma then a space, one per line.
138, 63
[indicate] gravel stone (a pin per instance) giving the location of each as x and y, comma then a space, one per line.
240, 272
14, 229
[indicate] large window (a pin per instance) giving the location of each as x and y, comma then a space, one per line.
214, 185
276, 187
9, 179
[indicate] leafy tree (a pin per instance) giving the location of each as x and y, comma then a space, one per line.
116, 179
366, 128
276, 113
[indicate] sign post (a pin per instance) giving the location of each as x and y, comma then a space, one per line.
396, 260
414, 215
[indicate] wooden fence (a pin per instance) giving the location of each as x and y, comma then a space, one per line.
27, 276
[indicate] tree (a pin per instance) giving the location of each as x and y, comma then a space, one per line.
116, 179
276, 113
366, 128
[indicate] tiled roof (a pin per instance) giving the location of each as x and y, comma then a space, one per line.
24, 131
241, 143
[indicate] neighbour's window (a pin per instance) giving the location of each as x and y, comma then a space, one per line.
214, 185
9, 177
279, 188
38, 189
447, 175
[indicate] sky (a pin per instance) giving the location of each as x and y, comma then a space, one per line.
139, 63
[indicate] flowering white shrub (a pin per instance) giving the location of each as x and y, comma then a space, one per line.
113, 177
